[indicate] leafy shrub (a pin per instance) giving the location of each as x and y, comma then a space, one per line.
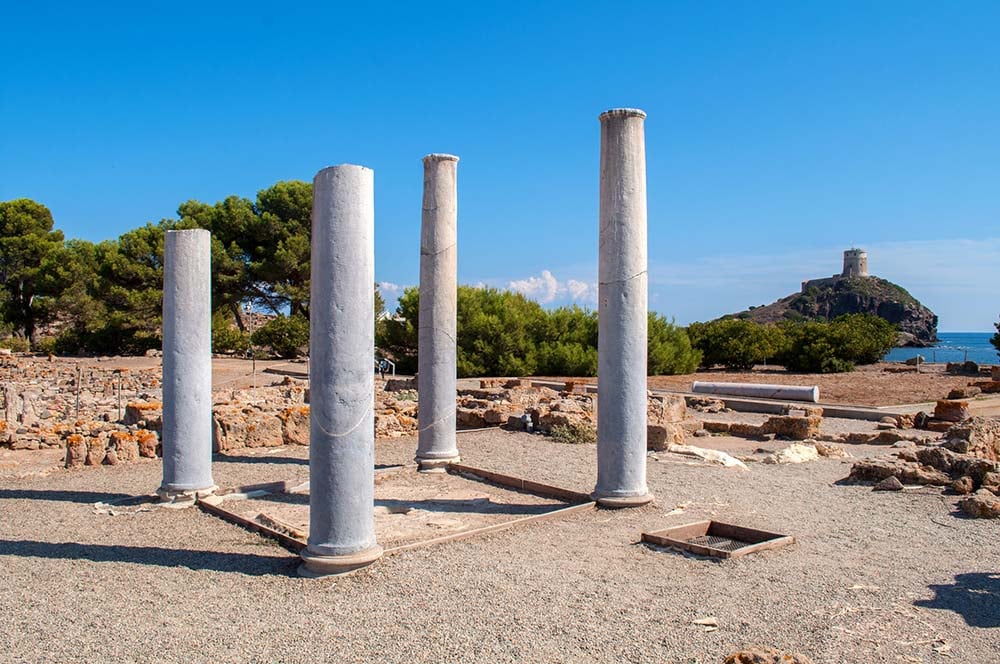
863, 338
995, 339
579, 433
501, 333
16, 344
812, 348
736, 344
286, 336
226, 338
669, 349
47, 346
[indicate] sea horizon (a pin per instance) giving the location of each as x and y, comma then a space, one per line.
952, 347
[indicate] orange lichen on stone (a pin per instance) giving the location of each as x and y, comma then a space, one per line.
145, 405
148, 442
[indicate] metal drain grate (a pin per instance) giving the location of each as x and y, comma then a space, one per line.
714, 538
717, 542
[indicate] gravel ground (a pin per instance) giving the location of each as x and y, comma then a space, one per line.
873, 577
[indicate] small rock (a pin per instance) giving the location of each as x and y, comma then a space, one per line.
890, 483
766, 656
964, 392
983, 504
963, 485
899, 444
702, 433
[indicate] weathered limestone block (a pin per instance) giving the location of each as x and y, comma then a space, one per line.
564, 412
76, 450
97, 447
979, 436
791, 427
386, 425
295, 425
469, 418
660, 437
876, 469
995, 372
983, 504
143, 412
951, 410
125, 445
147, 442
234, 427
964, 392
665, 408
717, 427
794, 453
706, 404
988, 386
745, 430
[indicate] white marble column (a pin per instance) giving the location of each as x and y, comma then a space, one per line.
622, 311
341, 375
436, 353
187, 365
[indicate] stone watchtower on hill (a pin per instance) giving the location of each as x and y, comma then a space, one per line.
855, 263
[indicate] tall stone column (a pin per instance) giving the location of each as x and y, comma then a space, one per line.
436, 370
187, 365
622, 311
341, 374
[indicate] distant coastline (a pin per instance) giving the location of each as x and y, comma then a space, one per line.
952, 347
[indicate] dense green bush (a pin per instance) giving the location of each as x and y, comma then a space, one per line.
501, 333
286, 336
839, 345
227, 338
863, 338
995, 340
807, 346
580, 433
670, 350
16, 344
736, 344
812, 349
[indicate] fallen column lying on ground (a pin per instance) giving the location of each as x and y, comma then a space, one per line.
341, 380
760, 391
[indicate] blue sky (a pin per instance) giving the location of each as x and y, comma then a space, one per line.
778, 133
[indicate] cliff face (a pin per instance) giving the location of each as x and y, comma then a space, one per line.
829, 298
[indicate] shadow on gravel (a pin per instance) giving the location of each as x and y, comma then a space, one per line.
61, 496
242, 563
474, 506
276, 460
974, 596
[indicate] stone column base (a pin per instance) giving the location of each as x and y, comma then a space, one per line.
183, 498
436, 465
316, 566
616, 502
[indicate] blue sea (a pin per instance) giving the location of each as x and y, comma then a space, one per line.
952, 347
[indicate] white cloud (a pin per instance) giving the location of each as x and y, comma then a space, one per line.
389, 288
547, 289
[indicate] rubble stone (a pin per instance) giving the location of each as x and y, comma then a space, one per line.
983, 504
890, 483
951, 410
